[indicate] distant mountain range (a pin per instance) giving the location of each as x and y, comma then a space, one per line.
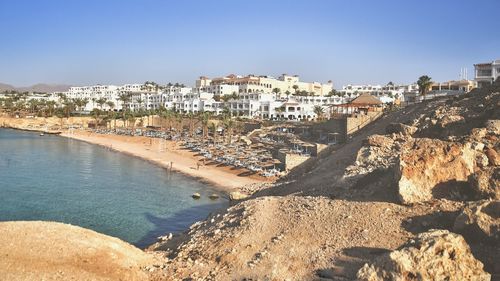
46, 88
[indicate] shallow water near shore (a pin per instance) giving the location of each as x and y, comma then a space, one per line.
59, 179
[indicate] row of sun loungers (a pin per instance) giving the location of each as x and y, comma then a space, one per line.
237, 155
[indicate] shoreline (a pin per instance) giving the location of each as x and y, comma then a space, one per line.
221, 177
163, 153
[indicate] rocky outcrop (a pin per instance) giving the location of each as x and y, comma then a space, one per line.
428, 167
398, 128
433, 255
448, 120
480, 221
493, 157
493, 126
485, 183
55, 251
236, 195
379, 141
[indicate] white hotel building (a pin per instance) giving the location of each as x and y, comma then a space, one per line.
386, 93
265, 84
486, 73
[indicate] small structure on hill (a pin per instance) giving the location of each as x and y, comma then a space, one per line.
362, 104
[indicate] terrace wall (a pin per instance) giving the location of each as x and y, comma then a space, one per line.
358, 121
291, 160
331, 126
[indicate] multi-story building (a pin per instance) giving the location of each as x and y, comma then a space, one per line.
252, 104
265, 84
386, 94
486, 73
195, 102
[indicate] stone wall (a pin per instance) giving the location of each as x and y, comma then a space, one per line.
291, 160
358, 121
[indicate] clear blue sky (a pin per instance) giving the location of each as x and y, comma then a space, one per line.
82, 42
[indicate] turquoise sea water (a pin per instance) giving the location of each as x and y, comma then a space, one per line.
58, 179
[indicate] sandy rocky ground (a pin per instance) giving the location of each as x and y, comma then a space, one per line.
368, 211
56, 251
413, 196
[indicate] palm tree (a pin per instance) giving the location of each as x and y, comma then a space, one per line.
69, 106
178, 118
84, 102
213, 128
110, 104
140, 102
276, 91
168, 115
111, 114
131, 119
33, 105
424, 83
101, 102
279, 110
124, 98
226, 98
319, 111
229, 125
190, 116
226, 112
96, 112
205, 118
296, 88
50, 107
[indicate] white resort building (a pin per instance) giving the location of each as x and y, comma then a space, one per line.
486, 73
388, 93
265, 84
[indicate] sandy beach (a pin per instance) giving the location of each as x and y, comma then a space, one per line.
170, 155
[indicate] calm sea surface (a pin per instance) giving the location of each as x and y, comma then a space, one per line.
58, 179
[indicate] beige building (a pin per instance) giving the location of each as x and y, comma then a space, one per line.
461, 85
252, 84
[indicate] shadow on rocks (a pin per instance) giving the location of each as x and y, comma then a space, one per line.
453, 190
437, 220
347, 265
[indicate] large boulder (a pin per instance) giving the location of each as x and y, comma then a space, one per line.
493, 156
480, 220
399, 128
236, 196
485, 183
450, 119
429, 167
433, 255
379, 141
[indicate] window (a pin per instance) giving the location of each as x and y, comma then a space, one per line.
484, 72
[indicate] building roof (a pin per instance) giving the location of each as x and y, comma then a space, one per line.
366, 99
